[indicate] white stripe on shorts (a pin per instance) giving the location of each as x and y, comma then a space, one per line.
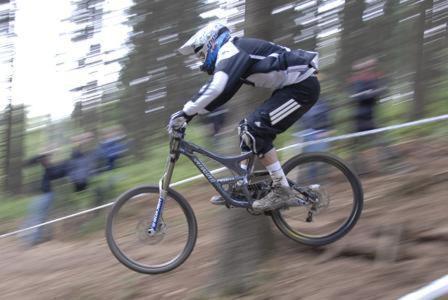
276, 115
287, 103
286, 112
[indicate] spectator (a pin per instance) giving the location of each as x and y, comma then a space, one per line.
78, 168
113, 146
317, 126
366, 88
83, 161
40, 206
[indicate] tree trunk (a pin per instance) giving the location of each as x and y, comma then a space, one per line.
352, 35
422, 68
14, 149
247, 241
8, 141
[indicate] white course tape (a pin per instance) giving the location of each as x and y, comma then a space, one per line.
56, 220
368, 132
329, 139
435, 289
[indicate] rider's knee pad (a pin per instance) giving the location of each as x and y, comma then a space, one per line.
251, 141
247, 139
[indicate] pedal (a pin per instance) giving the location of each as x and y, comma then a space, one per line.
309, 219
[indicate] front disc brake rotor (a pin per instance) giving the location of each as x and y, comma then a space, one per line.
145, 237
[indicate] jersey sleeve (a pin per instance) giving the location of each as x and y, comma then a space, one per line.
231, 65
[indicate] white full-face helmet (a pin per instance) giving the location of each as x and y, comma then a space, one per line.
206, 43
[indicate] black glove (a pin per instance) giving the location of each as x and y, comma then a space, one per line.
178, 120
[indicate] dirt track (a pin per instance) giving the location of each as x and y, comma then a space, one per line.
399, 244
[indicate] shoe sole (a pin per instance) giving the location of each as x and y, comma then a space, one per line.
218, 203
270, 208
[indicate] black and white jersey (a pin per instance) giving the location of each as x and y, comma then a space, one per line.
255, 62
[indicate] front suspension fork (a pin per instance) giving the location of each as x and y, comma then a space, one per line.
164, 184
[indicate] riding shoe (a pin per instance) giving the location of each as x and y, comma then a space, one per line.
217, 200
278, 197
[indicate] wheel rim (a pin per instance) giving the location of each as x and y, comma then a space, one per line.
140, 250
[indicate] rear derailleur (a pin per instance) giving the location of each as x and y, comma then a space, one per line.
314, 199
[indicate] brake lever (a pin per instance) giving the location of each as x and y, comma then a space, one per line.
178, 133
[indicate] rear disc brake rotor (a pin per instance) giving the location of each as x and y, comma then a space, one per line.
322, 199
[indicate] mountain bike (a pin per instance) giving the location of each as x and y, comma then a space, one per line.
152, 229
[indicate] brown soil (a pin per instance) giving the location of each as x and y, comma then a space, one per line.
399, 244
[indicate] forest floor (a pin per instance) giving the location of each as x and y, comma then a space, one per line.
399, 244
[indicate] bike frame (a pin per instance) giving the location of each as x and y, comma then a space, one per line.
179, 146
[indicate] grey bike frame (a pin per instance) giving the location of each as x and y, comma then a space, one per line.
179, 146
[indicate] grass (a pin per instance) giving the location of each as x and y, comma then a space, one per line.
11, 208
93, 225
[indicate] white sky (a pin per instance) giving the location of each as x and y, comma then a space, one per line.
38, 81
35, 81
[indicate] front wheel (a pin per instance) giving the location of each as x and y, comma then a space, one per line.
334, 204
151, 253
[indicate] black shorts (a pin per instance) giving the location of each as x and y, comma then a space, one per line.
280, 111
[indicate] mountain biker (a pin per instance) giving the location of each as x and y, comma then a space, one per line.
233, 61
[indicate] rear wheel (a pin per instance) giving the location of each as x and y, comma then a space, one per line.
127, 230
335, 200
